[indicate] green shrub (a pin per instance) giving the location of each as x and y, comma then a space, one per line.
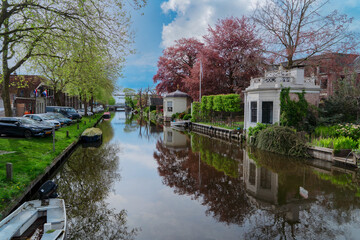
187, 116
232, 103
181, 115
282, 140
325, 131
175, 116
253, 131
323, 142
210, 103
293, 113
218, 103
336, 143
195, 112
344, 143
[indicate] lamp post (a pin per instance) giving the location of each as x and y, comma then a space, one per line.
201, 76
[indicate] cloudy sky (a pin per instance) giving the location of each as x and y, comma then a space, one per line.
161, 22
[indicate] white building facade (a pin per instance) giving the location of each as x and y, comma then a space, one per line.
175, 102
262, 97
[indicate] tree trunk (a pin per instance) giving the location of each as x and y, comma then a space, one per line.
358, 109
5, 94
57, 99
85, 105
92, 103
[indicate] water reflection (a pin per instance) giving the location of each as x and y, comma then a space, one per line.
189, 173
145, 129
170, 179
85, 182
259, 191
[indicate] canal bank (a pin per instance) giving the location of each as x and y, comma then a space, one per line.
318, 153
67, 140
165, 184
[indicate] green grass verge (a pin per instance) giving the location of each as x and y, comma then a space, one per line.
32, 156
232, 126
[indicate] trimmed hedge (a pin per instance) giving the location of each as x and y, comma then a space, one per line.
213, 104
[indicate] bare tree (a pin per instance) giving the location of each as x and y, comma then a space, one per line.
297, 29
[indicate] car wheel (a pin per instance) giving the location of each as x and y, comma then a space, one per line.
27, 134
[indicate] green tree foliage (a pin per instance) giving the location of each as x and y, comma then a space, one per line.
41, 28
112, 101
131, 102
344, 104
294, 113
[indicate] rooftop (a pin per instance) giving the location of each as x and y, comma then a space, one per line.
177, 93
293, 78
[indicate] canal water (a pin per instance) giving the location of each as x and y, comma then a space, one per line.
152, 182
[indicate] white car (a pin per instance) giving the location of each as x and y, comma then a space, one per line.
45, 119
82, 112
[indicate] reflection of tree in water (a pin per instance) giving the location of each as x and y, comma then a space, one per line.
223, 195
146, 129
107, 130
84, 182
329, 211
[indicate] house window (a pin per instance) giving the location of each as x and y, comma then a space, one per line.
253, 111
252, 174
169, 137
267, 112
265, 178
169, 106
323, 83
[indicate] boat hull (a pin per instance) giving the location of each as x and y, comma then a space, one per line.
20, 222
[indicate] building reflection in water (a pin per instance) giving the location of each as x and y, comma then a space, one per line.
258, 191
175, 139
262, 186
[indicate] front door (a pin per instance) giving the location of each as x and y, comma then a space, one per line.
267, 112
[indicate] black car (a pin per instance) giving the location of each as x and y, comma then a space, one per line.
68, 112
25, 127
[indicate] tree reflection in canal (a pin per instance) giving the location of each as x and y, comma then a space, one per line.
259, 191
180, 168
84, 182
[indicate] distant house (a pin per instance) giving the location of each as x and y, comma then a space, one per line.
262, 97
155, 102
175, 102
29, 94
328, 68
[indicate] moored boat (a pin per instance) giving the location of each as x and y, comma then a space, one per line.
91, 135
106, 116
43, 219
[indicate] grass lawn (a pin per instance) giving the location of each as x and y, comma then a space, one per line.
232, 126
30, 157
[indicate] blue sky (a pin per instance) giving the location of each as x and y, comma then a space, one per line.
164, 21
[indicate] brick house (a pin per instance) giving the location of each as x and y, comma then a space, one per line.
330, 67
27, 95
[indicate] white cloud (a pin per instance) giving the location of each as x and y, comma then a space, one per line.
148, 59
193, 17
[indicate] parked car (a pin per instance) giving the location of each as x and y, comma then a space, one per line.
59, 117
25, 127
44, 119
68, 112
82, 112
